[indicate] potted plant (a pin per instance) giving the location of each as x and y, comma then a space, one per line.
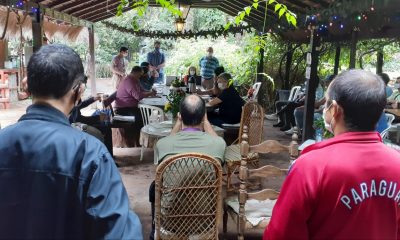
174, 100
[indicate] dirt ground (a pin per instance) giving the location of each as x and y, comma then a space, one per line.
137, 175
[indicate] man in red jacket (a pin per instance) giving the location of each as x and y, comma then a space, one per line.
349, 186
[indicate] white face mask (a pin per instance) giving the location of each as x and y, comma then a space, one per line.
328, 126
192, 72
210, 54
397, 85
221, 86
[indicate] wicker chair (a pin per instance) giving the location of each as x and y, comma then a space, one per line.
188, 197
258, 213
253, 117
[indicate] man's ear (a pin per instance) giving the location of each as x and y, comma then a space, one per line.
336, 109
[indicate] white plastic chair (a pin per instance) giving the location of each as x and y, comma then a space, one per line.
150, 114
256, 88
389, 118
294, 92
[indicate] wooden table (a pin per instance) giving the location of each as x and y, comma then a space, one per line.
395, 112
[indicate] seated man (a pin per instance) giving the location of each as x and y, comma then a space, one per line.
318, 105
148, 77
229, 102
191, 133
127, 100
100, 131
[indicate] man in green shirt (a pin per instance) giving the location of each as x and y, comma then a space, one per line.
191, 133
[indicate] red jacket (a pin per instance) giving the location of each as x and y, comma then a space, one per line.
343, 188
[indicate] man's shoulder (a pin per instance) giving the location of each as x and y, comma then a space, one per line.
181, 136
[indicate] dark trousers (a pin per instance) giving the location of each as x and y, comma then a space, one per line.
131, 134
94, 121
287, 113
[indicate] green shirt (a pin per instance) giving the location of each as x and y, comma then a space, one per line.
186, 142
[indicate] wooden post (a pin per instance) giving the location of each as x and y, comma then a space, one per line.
379, 62
260, 66
337, 60
3, 52
312, 83
92, 70
289, 58
353, 48
37, 30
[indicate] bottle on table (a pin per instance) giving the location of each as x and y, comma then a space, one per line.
192, 84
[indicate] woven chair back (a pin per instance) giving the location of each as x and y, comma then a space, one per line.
253, 118
188, 197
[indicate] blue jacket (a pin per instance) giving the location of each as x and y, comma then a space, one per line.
57, 182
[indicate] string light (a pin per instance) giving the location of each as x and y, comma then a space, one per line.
341, 26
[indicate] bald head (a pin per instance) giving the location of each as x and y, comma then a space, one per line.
362, 96
192, 110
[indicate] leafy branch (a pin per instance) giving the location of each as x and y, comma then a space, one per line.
141, 6
279, 8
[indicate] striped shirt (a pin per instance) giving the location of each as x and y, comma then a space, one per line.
207, 66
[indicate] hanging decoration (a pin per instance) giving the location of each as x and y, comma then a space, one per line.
215, 33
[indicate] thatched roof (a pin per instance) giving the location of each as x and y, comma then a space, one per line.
52, 28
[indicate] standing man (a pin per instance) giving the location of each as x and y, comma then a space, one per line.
156, 59
207, 66
57, 182
118, 67
347, 187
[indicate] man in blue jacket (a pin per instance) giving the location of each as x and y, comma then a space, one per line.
55, 181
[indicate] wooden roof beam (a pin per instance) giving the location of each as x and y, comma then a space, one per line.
101, 6
69, 8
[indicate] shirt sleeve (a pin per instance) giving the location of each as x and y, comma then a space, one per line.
149, 58
136, 92
224, 96
107, 205
86, 103
294, 205
162, 58
216, 62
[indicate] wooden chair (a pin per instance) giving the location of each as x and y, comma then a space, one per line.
253, 117
243, 208
188, 197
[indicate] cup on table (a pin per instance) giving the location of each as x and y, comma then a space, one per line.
101, 96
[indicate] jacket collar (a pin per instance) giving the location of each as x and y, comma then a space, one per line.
44, 112
360, 137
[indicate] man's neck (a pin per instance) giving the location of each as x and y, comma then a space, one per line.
57, 104
192, 128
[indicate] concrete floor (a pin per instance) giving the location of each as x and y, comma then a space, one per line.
137, 175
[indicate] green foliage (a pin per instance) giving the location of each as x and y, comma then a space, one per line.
140, 8
320, 124
279, 8
174, 98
